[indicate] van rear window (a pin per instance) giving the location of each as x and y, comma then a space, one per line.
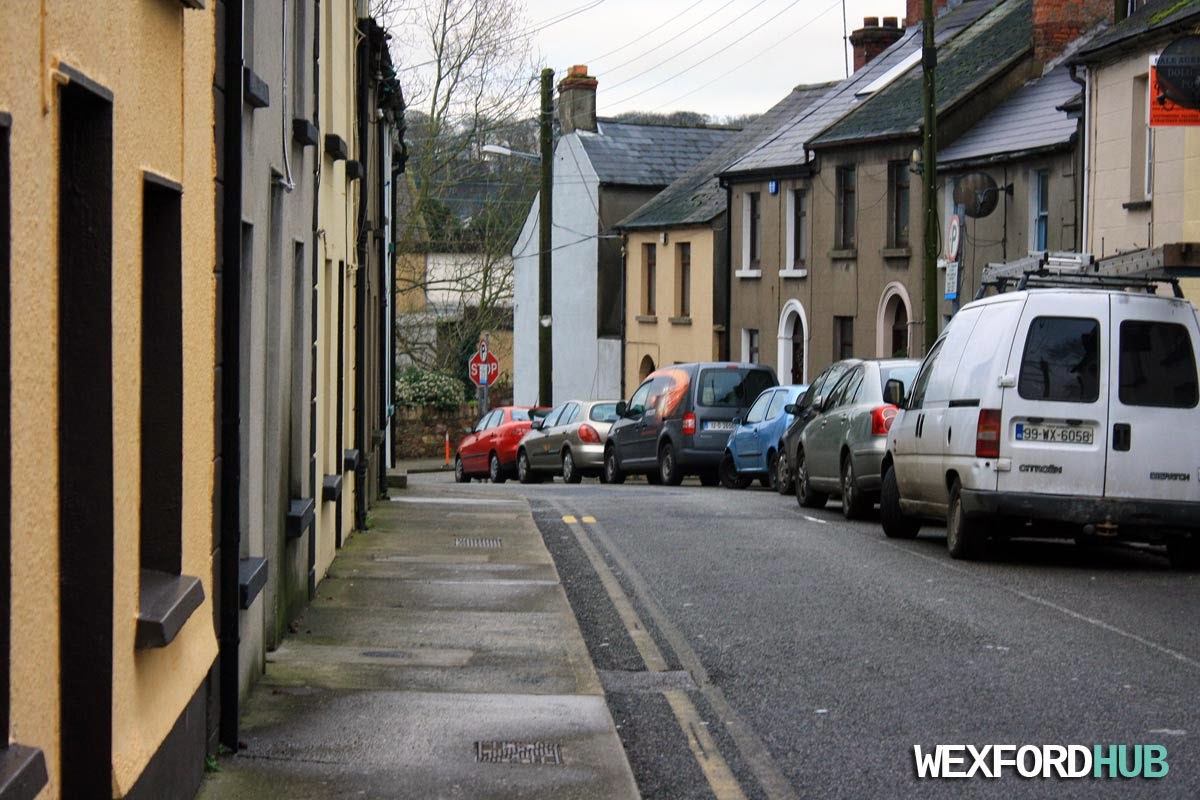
1158, 367
1061, 360
732, 388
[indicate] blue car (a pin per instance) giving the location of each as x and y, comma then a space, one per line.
753, 448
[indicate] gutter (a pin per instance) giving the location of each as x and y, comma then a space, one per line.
362, 276
727, 336
1087, 153
1002, 158
318, 160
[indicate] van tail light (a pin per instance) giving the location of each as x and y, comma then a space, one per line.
987, 434
689, 423
881, 420
588, 434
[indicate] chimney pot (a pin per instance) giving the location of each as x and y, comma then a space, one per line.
870, 22
870, 40
577, 100
891, 22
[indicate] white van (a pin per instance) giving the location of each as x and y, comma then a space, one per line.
1074, 406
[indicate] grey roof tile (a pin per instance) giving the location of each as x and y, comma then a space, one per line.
696, 196
627, 154
1028, 120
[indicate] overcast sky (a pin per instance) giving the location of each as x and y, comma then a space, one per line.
718, 57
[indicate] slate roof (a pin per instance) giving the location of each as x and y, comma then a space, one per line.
976, 55
627, 154
1028, 120
1154, 17
697, 197
785, 147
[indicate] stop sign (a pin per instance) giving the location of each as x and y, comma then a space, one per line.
483, 367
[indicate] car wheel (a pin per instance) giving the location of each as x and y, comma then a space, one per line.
783, 475
525, 473
806, 496
854, 504
569, 472
459, 475
668, 467
772, 474
895, 524
709, 477
1184, 553
495, 471
612, 472
965, 537
729, 476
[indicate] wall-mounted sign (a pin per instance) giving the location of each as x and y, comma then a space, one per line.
1175, 84
773, 187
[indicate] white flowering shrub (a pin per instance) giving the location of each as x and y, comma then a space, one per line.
420, 388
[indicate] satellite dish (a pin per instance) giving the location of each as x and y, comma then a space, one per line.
977, 194
1179, 72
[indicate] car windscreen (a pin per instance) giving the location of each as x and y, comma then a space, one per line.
603, 412
732, 388
520, 415
904, 374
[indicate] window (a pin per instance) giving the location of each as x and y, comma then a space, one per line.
916, 397
299, 53
777, 403
649, 255
1061, 361
603, 412
637, 403
843, 337
898, 178
569, 415
758, 411
732, 388
1041, 208
552, 418
754, 231
750, 345
798, 233
1141, 143
844, 216
902, 374
683, 281
1158, 367
519, 415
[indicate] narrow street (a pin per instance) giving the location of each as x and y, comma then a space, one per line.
813, 653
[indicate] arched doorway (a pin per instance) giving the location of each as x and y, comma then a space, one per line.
793, 343
893, 323
645, 368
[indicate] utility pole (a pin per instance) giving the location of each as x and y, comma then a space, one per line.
545, 239
929, 165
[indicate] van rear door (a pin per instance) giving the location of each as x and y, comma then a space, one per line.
1153, 439
1055, 416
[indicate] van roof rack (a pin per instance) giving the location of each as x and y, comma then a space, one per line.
1148, 283
1141, 269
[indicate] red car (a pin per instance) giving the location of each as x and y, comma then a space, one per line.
491, 448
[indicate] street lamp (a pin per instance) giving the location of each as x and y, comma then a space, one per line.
500, 150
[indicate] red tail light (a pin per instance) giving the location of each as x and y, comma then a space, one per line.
987, 434
588, 434
881, 420
689, 423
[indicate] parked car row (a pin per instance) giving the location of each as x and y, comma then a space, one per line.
1039, 412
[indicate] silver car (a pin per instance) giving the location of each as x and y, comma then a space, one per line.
569, 441
840, 451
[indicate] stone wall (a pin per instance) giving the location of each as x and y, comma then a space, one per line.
420, 432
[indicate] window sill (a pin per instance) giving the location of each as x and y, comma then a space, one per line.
847, 253
331, 488
896, 252
748, 273
795, 272
649, 319
165, 602
300, 516
680, 320
252, 577
1137, 205
22, 772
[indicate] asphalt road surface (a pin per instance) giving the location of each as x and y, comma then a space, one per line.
751, 648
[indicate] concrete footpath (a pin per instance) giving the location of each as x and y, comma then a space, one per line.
440, 659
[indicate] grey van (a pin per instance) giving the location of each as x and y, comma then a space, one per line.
678, 420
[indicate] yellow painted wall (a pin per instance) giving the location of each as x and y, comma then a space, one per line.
664, 341
163, 123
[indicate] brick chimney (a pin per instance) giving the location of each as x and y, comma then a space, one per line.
915, 11
872, 39
577, 101
1057, 23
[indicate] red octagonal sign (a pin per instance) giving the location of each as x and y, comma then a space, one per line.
483, 367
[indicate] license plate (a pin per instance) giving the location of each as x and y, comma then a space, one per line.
1054, 434
718, 426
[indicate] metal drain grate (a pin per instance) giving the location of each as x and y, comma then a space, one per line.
518, 753
477, 542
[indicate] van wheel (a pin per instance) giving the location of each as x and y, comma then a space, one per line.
495, 471
570, 473
895, 524
612, 472
806, 496
668, 467
965, 537
1184, 553
855, 505
525, 473
730, 478
783, 475
709, 477
459, 475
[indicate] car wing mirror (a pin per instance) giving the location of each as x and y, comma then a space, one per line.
536, 425
893, 392
791, 408
622, 407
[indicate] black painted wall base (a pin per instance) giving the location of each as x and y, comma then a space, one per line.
177, 768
